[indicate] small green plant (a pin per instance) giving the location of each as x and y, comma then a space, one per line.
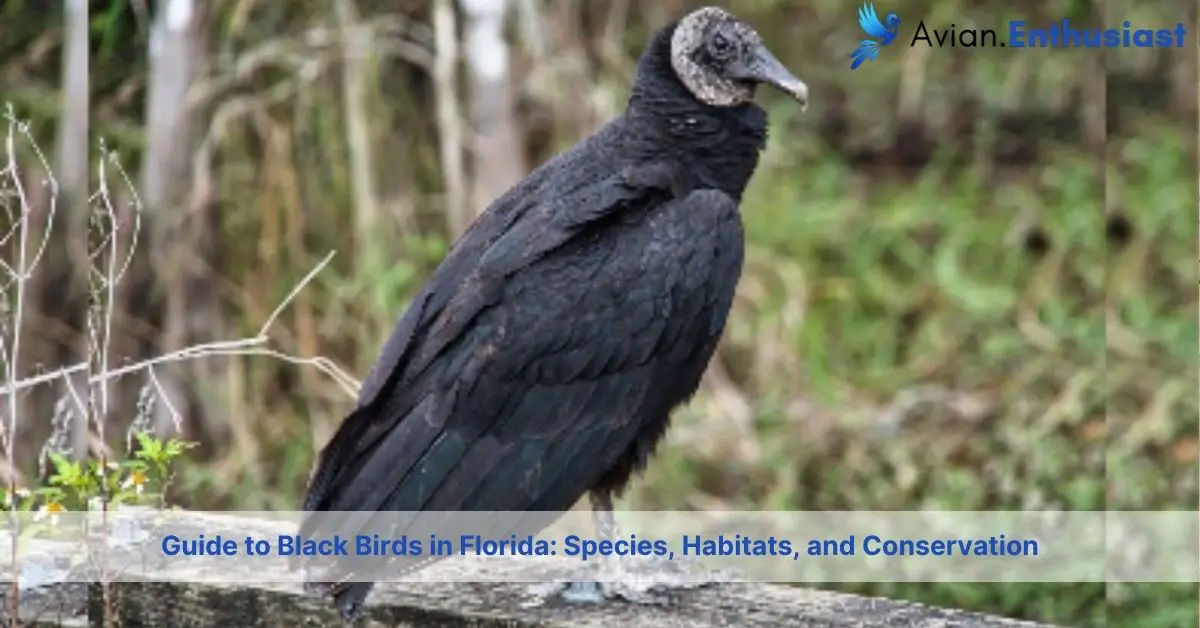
77, 485
143, 478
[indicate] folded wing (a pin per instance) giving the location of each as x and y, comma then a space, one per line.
868, 19
522, 374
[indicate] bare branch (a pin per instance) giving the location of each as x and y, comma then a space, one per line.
109, 265
262, 332
244, 347
176, 417
22, 270
390, 34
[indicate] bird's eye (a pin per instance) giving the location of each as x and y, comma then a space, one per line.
721, 44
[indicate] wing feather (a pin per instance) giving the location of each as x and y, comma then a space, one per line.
544, 212
543, 395
867, 49
539, 398
868, 19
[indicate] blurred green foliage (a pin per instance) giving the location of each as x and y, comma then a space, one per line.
970, 284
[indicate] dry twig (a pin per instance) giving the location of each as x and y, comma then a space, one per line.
108, 268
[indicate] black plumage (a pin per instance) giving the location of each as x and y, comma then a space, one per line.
542, 360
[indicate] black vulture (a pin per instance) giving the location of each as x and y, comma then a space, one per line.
542, 360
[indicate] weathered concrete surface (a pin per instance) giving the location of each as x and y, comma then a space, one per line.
492, 606
60, 605
139, 602
189, 605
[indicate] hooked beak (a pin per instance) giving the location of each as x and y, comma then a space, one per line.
763, 67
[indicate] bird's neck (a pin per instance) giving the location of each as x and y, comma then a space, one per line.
720, 145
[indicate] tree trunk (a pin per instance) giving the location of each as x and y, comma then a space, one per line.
449, 121
183, 228
498, 159
72, 154
356, 59
56, 289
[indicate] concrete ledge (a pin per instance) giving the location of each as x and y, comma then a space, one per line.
457, 604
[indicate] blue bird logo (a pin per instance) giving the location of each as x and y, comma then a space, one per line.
868, 19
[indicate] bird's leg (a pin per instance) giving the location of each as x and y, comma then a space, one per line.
648, 584
583, 586
605, 521
603, 516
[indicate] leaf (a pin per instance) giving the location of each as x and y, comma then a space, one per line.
176, 447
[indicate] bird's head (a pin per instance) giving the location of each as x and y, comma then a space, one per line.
893, 22
721, 60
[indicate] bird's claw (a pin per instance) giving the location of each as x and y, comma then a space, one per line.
349, 611
637, 581
633, 592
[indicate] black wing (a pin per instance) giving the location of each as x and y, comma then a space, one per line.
517, 228
522, 386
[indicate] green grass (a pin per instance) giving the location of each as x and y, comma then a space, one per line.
874, 290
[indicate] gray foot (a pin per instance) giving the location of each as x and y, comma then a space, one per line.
636, 581
348, 598
349, 602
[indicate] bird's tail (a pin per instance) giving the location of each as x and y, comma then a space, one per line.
867, 49
348, 597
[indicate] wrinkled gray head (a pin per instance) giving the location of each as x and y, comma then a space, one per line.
721, 59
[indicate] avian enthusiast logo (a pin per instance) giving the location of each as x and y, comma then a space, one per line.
869, 21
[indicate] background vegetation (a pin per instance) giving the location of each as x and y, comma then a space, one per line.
971, 278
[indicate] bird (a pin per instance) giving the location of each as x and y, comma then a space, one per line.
541, 361
869, 21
